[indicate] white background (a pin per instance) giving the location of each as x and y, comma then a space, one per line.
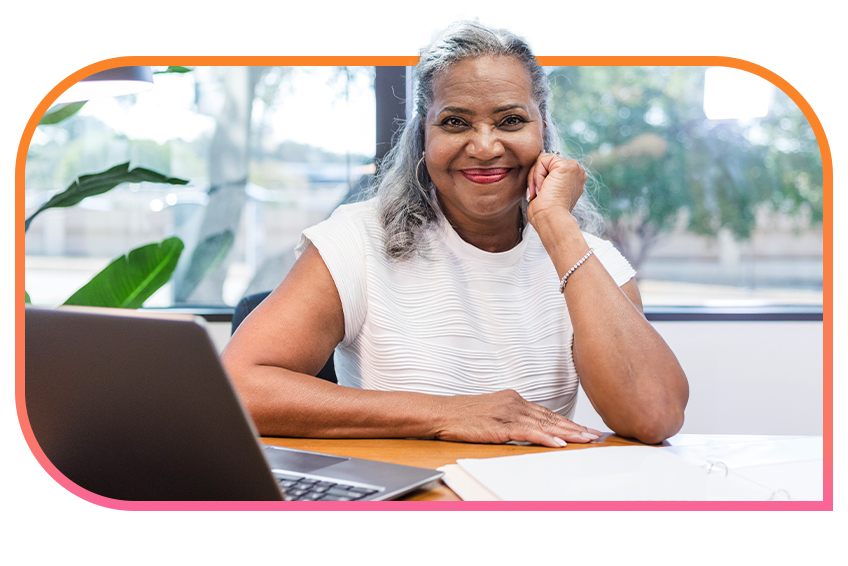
43, 42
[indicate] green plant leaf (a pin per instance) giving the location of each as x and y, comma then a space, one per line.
206, 256
131, 279
173, 69
99, 183
26, 297
60, 112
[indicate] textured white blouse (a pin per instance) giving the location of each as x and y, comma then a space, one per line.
460, 320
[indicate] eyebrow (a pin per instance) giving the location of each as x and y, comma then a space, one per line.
466, 111
511, 107
456, 110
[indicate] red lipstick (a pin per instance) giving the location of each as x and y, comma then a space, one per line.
486, 176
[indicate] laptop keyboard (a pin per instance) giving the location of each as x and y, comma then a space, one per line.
300, 488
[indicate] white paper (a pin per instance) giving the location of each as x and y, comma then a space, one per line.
464, 485
621, 473
792, 468
796, 481
751, 453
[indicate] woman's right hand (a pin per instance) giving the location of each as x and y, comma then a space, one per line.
497, 418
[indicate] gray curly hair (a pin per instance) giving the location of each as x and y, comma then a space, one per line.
406, 203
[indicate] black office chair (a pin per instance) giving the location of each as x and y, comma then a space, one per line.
248, 303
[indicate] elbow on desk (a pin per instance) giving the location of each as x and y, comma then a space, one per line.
265, 416
655, 433
650, 423
653, 428
250, 400
663, 417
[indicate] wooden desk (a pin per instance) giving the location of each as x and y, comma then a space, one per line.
429, 454
436, 453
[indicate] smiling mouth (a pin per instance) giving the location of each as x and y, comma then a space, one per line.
486, 176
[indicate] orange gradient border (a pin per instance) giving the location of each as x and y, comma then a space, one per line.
710, 61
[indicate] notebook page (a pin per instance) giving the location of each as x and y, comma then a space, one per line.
751, 453
621, 473
792, 467
795, 481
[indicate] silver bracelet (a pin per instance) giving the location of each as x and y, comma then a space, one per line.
573, 269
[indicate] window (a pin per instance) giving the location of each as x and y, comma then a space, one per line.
267, 151
724, 212
716, 212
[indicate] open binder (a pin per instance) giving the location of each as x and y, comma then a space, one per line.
785, 469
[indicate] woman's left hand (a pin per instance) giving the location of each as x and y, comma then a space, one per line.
553, 186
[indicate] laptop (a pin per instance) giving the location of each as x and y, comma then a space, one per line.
138, 407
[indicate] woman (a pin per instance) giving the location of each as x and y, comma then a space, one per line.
463, 301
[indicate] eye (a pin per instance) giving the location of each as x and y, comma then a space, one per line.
453, 123
513, 122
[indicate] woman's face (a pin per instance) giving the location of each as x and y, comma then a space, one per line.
482, 134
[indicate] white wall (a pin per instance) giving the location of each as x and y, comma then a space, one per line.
220, 333
744, 377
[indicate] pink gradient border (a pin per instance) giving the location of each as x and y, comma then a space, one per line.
827, 163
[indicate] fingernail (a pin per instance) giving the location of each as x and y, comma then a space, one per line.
528, 194
589, 435
560, 441
593, 431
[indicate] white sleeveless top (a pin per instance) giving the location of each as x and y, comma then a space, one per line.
461, 321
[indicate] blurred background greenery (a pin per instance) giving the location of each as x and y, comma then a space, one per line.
658, 161
709, 211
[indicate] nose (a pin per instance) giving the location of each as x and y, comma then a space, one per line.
484, 144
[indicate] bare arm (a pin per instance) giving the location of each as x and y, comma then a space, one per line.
277, 350
289, 336
629, 373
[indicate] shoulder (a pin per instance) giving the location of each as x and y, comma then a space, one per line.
345, 242
362, 214
357, 210
350, 225
612, 259
597, 243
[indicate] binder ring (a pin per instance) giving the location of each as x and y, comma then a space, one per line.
718, 465
779, 491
